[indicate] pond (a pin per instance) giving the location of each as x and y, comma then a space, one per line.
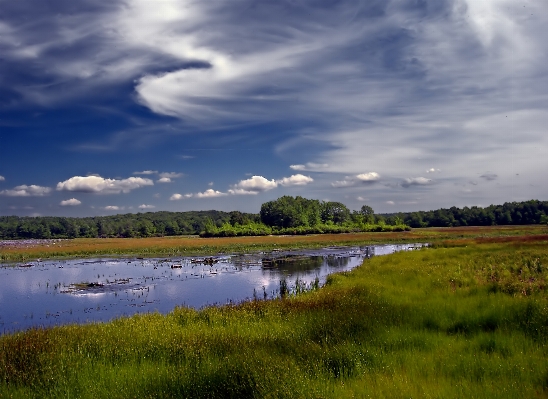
48, 293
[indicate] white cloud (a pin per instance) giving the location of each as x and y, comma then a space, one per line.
432, 170
416, 181
241, 191
164, 180
295, 180
253, 185
26, 191
113, 208
209, 193
146, 172
97, 184
145, 206
70, 202
177, 197
390, 202
348, 181
310, 166
170, 175
2, 178
368, 177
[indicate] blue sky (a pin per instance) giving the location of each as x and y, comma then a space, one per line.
141, 105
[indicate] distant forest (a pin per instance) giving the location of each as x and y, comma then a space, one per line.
196, 222
510, 213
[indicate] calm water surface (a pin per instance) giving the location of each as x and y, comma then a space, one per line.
88, 290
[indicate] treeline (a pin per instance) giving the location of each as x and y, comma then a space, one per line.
298, 215
286, 215
510, 213
148, 224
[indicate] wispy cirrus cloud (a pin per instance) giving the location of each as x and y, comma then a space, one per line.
385, 86
146, 172
310, 166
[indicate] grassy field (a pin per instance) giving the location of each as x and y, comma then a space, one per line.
192, 245
466, 318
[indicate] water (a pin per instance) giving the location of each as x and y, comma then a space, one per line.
42, 294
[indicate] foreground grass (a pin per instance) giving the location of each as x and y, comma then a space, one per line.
469, 320
191, 245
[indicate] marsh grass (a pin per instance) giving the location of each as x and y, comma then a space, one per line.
196, 246
447, 322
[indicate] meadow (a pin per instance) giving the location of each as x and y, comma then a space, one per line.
467, 317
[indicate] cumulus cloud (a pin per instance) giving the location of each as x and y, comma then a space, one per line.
113, 208
368, 177
26, 191
177, 197
489, 176
2, 178
97, 184
70, 202
348, 181
295, 180
163, 180
416, 181
145, 206
253, 185
209, 193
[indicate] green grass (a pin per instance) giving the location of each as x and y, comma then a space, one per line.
446, 322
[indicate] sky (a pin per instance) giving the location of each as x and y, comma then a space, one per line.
177, 105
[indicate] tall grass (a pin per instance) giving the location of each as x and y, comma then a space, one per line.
448, 322
191, 245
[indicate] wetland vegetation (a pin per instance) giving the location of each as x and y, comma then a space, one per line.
467, 317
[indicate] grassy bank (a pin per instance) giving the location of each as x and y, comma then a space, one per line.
195, 246
463, 319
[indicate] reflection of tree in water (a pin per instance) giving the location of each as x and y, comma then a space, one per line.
293, 263
337, 261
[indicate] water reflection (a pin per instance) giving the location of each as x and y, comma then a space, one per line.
79, 291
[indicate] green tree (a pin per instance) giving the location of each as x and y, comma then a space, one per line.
334, 212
